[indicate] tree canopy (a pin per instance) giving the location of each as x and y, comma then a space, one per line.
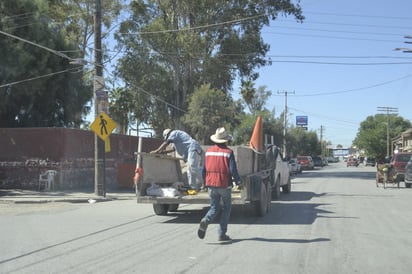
174, 47
39, 87
372, 133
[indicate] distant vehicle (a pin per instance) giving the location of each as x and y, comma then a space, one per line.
318, 161
352, 162
295, 167
332, 159
306, 162
369, 161
399, 161
408, 174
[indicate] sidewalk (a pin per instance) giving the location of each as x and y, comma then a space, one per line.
70, 196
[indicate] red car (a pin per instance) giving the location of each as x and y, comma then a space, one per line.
306, 162
399, 161
352, 162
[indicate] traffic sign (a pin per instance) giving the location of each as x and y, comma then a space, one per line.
103, 126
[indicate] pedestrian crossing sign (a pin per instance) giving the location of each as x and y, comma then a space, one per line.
103, 126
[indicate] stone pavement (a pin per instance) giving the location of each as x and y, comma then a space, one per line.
76, 196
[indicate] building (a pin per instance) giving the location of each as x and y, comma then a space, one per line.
403, 142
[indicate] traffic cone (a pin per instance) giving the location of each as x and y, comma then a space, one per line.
256, 142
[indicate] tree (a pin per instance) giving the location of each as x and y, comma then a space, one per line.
372, 133
302, 142
41, 87
210, 109
254, 99
191, 43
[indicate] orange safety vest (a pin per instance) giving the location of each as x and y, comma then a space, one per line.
217, 167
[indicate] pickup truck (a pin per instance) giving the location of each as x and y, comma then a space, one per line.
159, 180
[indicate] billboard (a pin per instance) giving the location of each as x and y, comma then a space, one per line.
340, 152
301, 120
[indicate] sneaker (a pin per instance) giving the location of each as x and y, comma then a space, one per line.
224, 238
201, 232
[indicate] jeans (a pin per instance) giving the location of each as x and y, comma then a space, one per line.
194, 169
216, 194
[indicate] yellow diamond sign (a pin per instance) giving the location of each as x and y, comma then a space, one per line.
103, 126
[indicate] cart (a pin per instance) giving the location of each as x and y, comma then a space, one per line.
386, 174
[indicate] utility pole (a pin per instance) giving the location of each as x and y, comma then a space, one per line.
100, 103
388, 110
285, 120
321, 141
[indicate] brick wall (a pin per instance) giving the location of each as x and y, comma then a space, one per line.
27, 152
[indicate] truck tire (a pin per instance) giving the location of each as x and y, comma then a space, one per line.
261, 206
160, 209
173, 207
276, 190
286, 188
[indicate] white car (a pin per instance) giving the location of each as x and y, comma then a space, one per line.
294, 166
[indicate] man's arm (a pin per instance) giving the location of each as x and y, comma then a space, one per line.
233, 168
162, 148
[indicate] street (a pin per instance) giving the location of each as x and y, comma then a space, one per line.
335, 220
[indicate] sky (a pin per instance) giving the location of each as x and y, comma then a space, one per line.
339, 65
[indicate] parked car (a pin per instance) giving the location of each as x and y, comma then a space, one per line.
369, 161
352, 162
399, 161
408, 173
294, 166
318, 161
306, 162
332, 159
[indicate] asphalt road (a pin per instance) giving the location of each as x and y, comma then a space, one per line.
335, 220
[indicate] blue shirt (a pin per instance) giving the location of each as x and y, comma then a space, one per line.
183, 143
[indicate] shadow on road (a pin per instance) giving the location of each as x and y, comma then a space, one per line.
260, 239
292, 209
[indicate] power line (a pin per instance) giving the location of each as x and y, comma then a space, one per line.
355, 89
38, 77
37, 45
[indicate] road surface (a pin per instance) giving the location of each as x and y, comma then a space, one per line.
335, 220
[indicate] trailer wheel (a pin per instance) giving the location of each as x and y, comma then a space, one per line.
160, 209
261, 206
276, 190
286, 188
173, 207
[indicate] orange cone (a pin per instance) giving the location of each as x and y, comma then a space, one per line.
256, 142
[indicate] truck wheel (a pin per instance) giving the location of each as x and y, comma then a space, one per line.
276, 190
160, 209
261, 206
173, 207
286, 188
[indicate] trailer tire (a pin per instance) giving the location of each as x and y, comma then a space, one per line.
261, 206
160, 209
173, 207
286, 188
276, 190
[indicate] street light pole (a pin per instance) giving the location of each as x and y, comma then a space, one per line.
99, 103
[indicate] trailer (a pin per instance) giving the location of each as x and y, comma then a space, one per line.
160, 181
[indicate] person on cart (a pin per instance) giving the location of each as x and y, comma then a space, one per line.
189, 149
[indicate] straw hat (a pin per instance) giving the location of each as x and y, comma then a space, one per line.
221, 136
166, 133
